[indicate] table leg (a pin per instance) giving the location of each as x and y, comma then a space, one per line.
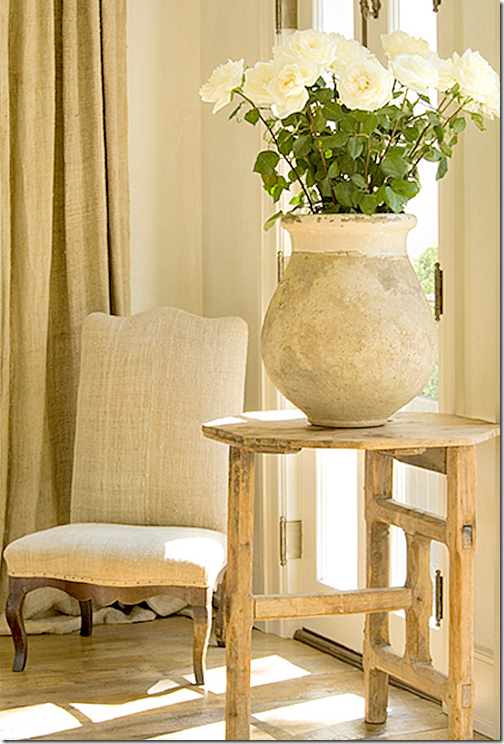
378, 482
461, 524
239, 613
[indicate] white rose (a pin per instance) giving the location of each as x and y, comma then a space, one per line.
446, 78
223, 80
475, 77
346, 51
288, 85
312, 45
365, 84
257, 79
399, 42
414, 71
488, 109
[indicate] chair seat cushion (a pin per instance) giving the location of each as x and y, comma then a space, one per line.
120, 555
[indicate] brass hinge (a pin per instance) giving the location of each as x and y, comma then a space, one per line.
438, 291
467, 536
290, 540
286, 15
438, 611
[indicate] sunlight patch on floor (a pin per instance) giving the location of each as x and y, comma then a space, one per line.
35, 720
327, 711
162, 686
264, 671
210, 732
98, 712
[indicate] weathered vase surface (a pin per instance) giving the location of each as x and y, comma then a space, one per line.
349, 336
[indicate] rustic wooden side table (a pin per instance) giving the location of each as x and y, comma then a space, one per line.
438, 442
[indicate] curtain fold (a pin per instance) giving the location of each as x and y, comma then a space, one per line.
65, 233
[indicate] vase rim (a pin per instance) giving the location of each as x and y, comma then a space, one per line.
389, 220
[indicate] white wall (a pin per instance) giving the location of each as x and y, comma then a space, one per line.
196, 206
232, 217
165, 153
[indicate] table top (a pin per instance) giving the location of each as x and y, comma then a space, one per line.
289, 432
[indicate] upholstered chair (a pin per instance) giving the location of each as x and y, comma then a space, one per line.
149, 491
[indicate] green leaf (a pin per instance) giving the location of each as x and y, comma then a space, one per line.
368, 203
335, 141
393, 112
409, 189
325, 187
411, 133
395, 201
324, 95
349, 124
269, 180
291, 120
479, 121
344, 191
394, 165
370, 123
266, 162
281, 185
286, 146
271, 221
432, 155
355, 147
252, 116
445, 149
356, 197
347, 164
359, 180
334, 169
442, 168
302, 145
360, 115
433, 118
332, 111
458, 125
380, 195
320, 121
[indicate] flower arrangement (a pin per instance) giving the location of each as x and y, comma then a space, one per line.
350, 132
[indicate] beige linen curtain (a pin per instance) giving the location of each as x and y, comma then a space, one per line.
65, 233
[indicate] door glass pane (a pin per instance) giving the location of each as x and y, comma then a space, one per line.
419, 20
337, 471
337, 17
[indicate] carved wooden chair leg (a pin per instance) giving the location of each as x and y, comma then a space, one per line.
14, 613
86, 609
202, 627
220, 631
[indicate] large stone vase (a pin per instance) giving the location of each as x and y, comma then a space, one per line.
349, 337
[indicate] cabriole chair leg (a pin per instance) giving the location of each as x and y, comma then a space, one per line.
86, 609
14, 613
219, 628
202, 627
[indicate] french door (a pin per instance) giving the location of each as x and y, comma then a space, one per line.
329, 484
324, 490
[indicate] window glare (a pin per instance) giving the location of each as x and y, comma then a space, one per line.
337, 16
417, 21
